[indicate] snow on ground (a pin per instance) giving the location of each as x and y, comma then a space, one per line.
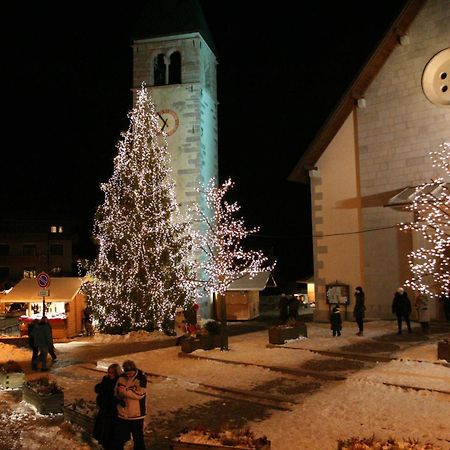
11, 352
359, 406
134, 336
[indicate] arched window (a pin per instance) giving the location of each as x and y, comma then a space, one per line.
175, 68
159, 70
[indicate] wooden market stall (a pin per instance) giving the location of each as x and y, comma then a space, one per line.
242, 296
64, 304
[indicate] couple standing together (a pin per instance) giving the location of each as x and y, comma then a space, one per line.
121, 398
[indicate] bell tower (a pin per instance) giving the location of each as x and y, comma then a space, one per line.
174, 55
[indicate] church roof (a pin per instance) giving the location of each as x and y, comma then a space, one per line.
355, 91
170, 18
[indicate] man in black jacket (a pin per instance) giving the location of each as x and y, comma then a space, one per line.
33, 347
401, 307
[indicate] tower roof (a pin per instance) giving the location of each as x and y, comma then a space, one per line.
170, 18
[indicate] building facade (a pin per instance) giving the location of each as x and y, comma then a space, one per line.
29, 246
375, 144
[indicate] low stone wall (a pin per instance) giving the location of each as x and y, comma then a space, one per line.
15, 340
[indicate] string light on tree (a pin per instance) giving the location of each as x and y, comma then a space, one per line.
219, 241
431, 208
143, 269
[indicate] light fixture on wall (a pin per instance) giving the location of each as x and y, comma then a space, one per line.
361, 102
402, 37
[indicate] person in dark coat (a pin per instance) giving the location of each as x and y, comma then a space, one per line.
445, 299
42, 338
106, 419
33, 347
51, 349
359, 309
336, 320
293, 306
401, 307
283, 308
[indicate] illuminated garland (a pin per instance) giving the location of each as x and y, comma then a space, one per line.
431, 208
143, 269
218, 240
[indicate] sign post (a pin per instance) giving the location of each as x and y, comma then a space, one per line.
43, 281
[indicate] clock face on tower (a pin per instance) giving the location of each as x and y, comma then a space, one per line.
168, 121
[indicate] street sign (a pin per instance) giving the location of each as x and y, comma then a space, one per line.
43, 280
44, 293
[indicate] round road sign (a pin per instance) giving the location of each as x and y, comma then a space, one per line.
43, 280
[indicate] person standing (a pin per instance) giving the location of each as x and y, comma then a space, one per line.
359, 309
445, 299
32, 345
401, 307
180, 325
105, 421
336, 320
51, 349
421, 305
293, 306
43, 340
87, 321
283, 308
131, 393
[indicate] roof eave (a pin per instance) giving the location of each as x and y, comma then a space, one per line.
356, 90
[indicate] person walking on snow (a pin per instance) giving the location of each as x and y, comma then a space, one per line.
359, 309
401, 307
51, 349
42, 339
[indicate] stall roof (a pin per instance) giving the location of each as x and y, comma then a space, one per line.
246, 283
63, 289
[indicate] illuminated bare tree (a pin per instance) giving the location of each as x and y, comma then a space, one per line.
222, 258
219, 240
431, 208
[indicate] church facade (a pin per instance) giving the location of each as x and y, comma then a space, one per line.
374, 146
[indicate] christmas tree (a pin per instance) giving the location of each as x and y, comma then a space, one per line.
431, 207
142, 271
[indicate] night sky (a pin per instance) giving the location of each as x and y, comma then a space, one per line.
67, 92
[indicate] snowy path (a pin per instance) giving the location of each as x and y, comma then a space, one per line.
294, 410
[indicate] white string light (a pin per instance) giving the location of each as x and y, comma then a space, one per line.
143, 269
431, 208
219, 239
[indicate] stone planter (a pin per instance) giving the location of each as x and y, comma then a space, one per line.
444, 350
52, 403
279, 334
12, 380
203, 342
85, 421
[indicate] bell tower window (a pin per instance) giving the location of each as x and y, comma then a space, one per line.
159, 70
175, 68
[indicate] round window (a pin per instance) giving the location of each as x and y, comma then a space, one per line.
436, 78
